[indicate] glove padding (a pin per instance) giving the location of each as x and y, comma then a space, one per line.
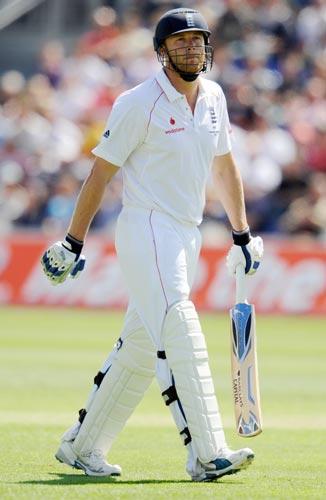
58, 263
248, 255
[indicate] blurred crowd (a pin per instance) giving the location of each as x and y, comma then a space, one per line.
270, 60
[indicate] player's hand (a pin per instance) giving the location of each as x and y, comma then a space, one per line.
59, 262
247, 251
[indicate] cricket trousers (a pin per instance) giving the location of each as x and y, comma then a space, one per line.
158, 256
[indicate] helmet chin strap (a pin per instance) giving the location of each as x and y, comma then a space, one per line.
186, 76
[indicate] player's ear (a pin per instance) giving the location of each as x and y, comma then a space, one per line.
163, 54
162, 50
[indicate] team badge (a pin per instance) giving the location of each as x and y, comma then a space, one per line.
190, 19
213, 120
213, 116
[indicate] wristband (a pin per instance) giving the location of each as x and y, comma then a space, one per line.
241, 238
73, 245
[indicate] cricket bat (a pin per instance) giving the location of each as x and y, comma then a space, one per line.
245, 384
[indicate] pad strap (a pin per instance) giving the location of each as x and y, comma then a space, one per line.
82, 414
185, 433
99, 378
170, 395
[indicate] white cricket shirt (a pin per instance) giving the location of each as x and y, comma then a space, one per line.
165, 151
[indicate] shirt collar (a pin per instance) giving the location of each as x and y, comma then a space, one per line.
171, 93
201, 89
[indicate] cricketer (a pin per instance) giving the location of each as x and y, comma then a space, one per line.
166, 135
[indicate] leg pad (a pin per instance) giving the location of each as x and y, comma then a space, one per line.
186, 353
122, 387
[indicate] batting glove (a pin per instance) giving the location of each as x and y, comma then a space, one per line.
246, 250
63, 259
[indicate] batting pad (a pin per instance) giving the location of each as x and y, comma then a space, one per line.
166, 382
187, 357
122, 388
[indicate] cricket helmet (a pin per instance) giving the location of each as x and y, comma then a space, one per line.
178, 21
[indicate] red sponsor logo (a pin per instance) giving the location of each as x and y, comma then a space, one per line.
172, 121
174, 130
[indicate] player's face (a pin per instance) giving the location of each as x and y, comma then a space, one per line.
187, 50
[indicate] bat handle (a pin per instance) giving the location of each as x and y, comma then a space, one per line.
241, 285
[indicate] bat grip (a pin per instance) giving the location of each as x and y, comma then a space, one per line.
241, 285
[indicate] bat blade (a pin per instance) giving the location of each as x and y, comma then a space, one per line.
245, 384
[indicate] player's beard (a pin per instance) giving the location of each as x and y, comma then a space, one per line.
187, 61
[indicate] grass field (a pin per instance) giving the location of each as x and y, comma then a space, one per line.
49, 357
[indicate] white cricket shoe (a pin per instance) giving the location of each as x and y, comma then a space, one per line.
228, 462
93, 463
